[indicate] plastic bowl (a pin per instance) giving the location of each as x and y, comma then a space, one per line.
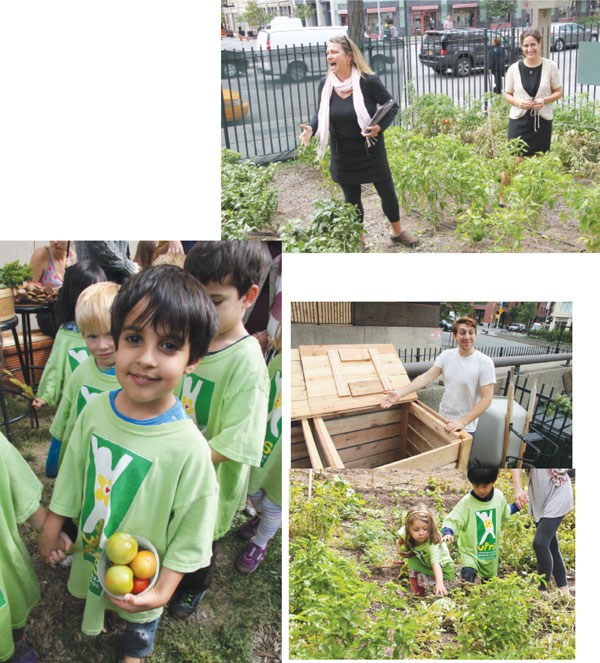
104, 564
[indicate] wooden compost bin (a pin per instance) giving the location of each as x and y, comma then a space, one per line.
337, 420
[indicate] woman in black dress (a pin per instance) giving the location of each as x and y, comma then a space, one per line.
348, 98
532, 85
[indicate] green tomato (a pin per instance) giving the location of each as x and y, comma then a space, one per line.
119, 580
121, 548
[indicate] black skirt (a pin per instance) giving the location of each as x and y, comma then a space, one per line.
352, 162
536, 141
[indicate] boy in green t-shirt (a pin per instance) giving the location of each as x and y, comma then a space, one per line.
477, 522
94, 375
135, 462
20, 494
227, 394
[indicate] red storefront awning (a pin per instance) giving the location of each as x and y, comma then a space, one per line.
462, 5
422, 8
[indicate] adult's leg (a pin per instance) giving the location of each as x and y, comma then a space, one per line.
352, 195
547, 552
391, 208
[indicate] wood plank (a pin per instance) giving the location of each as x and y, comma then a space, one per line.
465, 450
432, 436
429, 460
363, 451
338, 374
416, 444
378, 460
364, 387
365, 435
369, 419
381, 370
331, 406
330, 453
405, 411
347, 354
313, 454
431, 419
321, 350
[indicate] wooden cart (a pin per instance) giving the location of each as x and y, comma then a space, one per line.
337, 420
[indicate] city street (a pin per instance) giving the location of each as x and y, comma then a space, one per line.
278, 107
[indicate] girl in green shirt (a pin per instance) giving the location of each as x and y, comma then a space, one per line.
420, 542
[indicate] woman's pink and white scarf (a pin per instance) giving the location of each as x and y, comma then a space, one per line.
351, 84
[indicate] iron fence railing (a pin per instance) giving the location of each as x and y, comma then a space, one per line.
430, 354
269, 93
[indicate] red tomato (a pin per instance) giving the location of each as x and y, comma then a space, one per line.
139, 585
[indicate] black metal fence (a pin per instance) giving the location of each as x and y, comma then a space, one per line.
267, 94
430, 354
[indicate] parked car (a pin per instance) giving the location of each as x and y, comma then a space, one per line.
233, 62
568, 35
445, 325
301, 52
463, 50
235, 107
518, 327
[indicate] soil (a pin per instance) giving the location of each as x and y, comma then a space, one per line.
299, 186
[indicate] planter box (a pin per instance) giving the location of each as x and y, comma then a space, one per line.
336, 424
7, 304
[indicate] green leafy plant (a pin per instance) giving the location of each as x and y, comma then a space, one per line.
335, 228
374, 538
13, 274
247, 200
561, 402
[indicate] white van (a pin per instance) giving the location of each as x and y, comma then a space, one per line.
295, 52
299, 52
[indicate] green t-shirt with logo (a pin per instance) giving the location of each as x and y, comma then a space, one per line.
69, 350
154, 481
85, 383
268, 475
20, 494
227, 396
426, 554
478, 526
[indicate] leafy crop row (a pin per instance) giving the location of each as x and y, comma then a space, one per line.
339, 611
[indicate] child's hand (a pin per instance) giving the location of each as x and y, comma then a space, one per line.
440, 589
447, 538
38, 403
521, 498
133, 603
58, 555
48, 545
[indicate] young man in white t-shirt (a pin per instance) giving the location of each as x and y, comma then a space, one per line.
469, 379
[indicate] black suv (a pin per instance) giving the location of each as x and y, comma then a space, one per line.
463, 50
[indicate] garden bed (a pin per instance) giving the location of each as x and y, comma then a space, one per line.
350, 597
299, 186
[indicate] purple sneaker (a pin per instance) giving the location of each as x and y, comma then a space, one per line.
248, 530
249, 560
24, 653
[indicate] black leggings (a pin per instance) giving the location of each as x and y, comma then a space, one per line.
387, 192
549, 560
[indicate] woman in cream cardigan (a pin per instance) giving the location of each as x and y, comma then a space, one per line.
532, 85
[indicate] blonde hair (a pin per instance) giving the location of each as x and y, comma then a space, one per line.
351, 49
92, 312
424, 513
176, 259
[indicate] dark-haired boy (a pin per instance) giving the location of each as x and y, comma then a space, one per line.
135, 461
227, 394
477, 523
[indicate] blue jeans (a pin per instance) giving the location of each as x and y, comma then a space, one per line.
138, 641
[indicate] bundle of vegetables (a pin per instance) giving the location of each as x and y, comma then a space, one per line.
12, 275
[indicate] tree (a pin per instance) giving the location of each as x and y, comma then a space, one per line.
460, 309
524, 312
304, 12
356, 21
254, 15
497, 8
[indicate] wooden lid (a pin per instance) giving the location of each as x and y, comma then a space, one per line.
334, 379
